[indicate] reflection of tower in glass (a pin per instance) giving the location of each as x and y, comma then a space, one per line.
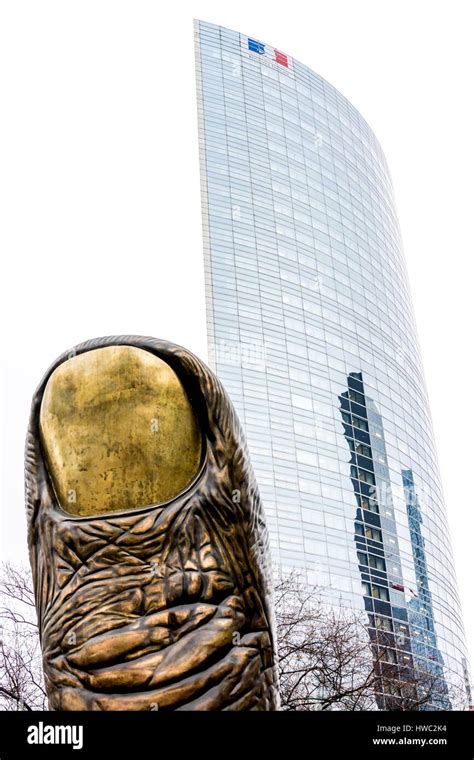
402, 632
420, 607
305, 286
375, 535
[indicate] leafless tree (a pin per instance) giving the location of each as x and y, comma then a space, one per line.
21, 675
330, 660
324, 658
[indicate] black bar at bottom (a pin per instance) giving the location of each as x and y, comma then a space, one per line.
150, 735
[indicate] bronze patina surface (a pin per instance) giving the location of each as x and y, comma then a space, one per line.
149, 599
118, 431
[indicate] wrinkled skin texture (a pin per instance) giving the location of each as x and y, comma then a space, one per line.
166, 606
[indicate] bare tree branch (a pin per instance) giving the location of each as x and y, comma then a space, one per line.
21, 673
329, 661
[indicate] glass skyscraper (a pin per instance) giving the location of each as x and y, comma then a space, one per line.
311, 330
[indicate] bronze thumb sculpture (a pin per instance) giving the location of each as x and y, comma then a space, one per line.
147, 537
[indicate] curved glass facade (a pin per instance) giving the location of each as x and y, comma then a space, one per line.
311, 330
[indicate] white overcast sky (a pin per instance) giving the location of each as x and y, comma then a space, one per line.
100, 212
